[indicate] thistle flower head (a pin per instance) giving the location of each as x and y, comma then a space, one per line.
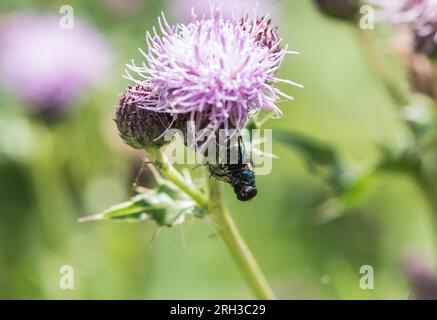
140, 127
267, 34
215, 69
420, 15
46, 66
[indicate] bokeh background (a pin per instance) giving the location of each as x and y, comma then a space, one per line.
310, 246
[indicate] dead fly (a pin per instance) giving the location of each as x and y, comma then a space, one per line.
239, 174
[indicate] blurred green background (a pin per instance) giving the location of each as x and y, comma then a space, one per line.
51, 176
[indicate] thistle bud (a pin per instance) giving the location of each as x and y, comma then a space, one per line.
426, 44
341, 9
419, 16
420, 67
422, 76
139, 126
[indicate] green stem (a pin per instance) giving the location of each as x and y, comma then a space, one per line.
170, 173
401, 98
379, 65
53, 203
238, 248
222, 222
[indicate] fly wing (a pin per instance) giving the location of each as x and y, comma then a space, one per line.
246, 158
219, 172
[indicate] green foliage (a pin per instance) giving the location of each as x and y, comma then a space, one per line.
165, 205
357, 144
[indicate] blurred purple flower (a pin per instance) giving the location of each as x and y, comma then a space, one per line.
216, 70
422, 279
48, 67
181, 9
420, 15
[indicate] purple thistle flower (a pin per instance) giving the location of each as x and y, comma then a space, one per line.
214, 70
420, 15
422, 279
46, 66
267, 35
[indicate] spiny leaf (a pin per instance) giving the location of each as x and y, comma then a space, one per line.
166, 205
